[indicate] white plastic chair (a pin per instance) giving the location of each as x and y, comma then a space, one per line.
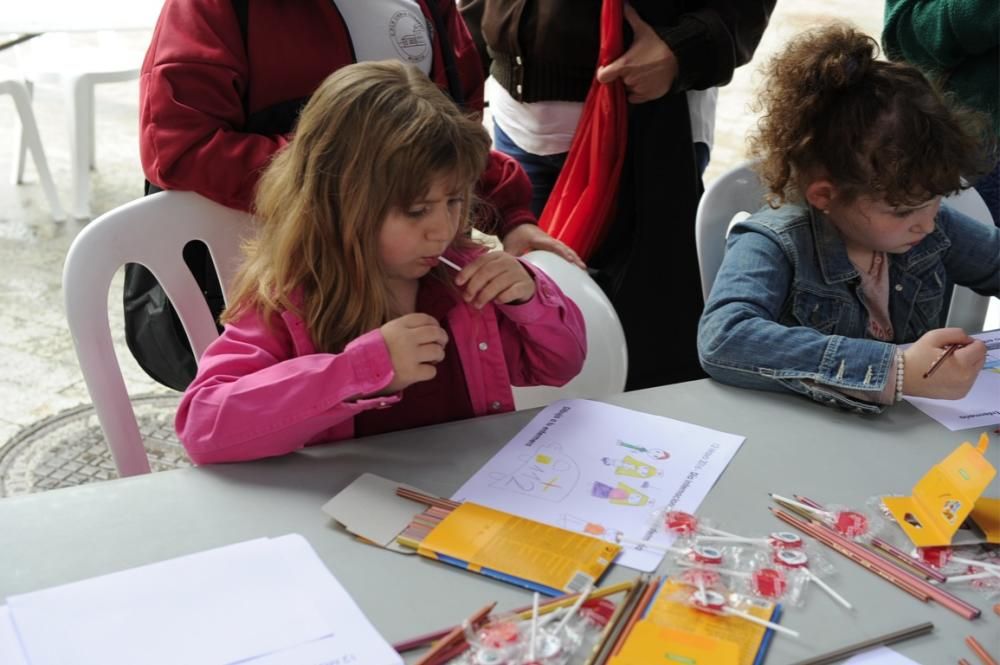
968, 308
605, 369
737, 190
740, 190
77, 64
152, 231
20, 91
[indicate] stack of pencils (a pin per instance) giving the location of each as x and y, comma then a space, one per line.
914, 584
423, 523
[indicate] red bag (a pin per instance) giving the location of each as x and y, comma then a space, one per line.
582, 203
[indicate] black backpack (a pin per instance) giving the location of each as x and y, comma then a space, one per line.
153, 331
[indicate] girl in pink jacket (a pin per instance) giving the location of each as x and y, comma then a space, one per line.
345, 319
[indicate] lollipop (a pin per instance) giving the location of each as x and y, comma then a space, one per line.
850, 523
799, 560
715, 603
767, 583
776, 539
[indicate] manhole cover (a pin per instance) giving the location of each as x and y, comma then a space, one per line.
69, 449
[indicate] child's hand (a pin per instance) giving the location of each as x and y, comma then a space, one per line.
416, 343
954, 377
495, 276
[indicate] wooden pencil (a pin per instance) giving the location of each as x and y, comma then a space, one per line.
952, 348
601, 651
435, 501
452, 637
889, 571
980, 651
636, 615
881, 640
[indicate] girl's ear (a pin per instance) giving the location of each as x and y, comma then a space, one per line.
820, 193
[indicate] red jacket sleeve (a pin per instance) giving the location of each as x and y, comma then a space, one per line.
191, 93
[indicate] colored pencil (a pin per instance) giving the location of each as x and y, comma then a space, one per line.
979, 650
882, 640
435, 501
601, 651
637, 613
452, 638
545, 607
918, 587
952, 348
915, 565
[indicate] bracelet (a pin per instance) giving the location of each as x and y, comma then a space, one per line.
900, 369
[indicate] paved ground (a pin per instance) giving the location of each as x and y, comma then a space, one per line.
39, 376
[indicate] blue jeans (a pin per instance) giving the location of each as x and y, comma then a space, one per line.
542, 170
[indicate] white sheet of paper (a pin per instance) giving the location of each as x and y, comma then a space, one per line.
981, 407
603, 470
354, 641
880, 656
10, 646
223, 605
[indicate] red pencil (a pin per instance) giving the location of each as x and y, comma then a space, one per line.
980, 651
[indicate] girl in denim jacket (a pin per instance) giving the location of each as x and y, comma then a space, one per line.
856, 254
343, 321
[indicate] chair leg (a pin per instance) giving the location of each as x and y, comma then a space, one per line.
31, 140
21, 145
79, 126
88, 103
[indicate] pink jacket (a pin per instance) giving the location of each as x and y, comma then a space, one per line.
263, 392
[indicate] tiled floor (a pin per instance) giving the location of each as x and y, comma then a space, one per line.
40, 377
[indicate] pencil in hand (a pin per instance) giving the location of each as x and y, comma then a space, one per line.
952, 348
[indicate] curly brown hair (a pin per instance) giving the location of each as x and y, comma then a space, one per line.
831, 109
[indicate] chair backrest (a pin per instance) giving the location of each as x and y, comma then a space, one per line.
606, 366
968, 309
737, 190
151, 231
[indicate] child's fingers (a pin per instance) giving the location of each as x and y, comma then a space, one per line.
517, 292
972, 355
418, 320
484, 275
474, 266
430, 353
494, 288
944, 337
430, 334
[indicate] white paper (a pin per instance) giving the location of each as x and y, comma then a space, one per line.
226, 605
880, 656
981, 407
10, 646
604, 470
354, 641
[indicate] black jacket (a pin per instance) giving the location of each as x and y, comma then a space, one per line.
647, 264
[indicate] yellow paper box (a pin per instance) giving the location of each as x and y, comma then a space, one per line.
945, 496
650, 644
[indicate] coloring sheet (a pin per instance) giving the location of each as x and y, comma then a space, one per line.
981, 407
606, 471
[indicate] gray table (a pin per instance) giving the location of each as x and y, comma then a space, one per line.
793, 446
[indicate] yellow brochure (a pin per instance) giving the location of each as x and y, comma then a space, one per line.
651, 644
666, 611
518, 550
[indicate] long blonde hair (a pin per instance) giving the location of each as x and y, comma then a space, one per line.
371, 139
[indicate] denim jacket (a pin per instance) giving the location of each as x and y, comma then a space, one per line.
787, 311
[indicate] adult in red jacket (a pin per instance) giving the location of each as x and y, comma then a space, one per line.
221, 88
219, 93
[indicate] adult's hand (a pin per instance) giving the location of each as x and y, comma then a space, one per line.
648, 68
528, 237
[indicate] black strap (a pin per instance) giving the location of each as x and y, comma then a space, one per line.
450, 68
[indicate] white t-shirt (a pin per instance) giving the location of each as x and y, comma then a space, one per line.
541, 128
388, 30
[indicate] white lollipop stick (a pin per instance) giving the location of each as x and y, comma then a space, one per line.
719, 532
450, 264
732, 539
826, 587
761, 622
534, 626
798, 504
972, 576
722, 571
576, 606
973, 562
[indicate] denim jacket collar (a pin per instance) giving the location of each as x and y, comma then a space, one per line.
830, 249
832, 252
